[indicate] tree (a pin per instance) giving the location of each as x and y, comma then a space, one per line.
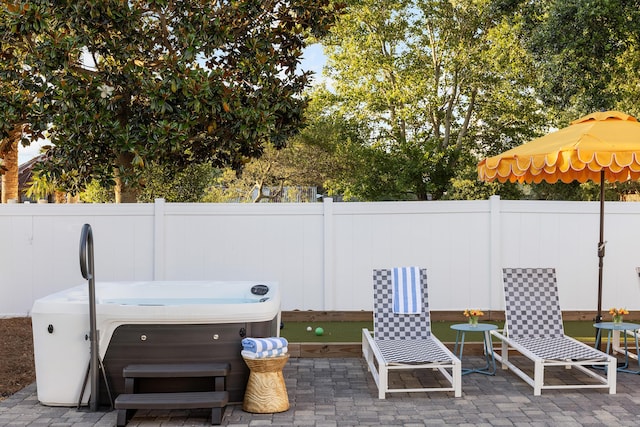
24, 116
430, 84
586, 51
126, 84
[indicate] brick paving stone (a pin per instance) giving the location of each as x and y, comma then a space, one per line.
501, 422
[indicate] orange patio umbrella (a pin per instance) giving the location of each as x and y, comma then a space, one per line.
603, 146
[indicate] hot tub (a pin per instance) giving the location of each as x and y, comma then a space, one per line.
148, 322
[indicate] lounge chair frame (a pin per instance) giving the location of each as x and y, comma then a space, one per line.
404, 342
535, 330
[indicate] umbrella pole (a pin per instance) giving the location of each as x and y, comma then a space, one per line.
601, 245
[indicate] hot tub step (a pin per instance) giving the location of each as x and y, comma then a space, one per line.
167, 370
129, 401
218, 371
126, 404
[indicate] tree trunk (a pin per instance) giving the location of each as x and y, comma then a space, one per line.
124, 193
10, 177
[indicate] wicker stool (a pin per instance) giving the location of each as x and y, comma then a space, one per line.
266, 392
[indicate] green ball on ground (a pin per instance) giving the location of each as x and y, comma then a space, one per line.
319, 331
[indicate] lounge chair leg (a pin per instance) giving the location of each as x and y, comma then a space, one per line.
538, 380
504, 355
384, 382
612, 372
457, 378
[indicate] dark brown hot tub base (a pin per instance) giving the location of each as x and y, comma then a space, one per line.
174, 344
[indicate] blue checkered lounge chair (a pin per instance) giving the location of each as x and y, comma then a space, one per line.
534, 329
405, 342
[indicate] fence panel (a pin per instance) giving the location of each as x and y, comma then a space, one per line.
322, 254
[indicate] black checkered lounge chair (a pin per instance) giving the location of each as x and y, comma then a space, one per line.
405, 342
534, 328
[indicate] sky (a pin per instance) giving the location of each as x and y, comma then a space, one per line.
313, 59
27, 153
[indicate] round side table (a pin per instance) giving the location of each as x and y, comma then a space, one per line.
484, 328
623, 327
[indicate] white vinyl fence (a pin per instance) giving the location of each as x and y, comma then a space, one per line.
322, 254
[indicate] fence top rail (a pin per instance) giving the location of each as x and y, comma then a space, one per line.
77, 209
434, 206
413, 207
243, 209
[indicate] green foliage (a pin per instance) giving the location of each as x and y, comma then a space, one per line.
582, 49
40, 187
95, 193
126, 84
466, 186
287, 174
431, 87
187, 185
226, 188
419, 91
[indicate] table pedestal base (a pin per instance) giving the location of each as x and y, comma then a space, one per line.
483, 328
266, 392
618, 327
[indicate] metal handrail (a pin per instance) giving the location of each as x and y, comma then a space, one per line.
87, 270
86, 245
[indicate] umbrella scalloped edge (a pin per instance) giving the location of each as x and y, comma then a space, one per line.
565, 168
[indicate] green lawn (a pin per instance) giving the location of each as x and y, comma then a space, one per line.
352, 331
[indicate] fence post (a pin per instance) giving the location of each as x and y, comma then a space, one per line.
328, 254
495, 251
158, 239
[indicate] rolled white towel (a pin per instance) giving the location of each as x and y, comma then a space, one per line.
264, 354
258, 345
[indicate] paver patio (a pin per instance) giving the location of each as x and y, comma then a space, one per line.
326, 392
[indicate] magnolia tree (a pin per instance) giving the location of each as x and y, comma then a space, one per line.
119, 85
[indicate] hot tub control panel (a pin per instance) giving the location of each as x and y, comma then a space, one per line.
259, 289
